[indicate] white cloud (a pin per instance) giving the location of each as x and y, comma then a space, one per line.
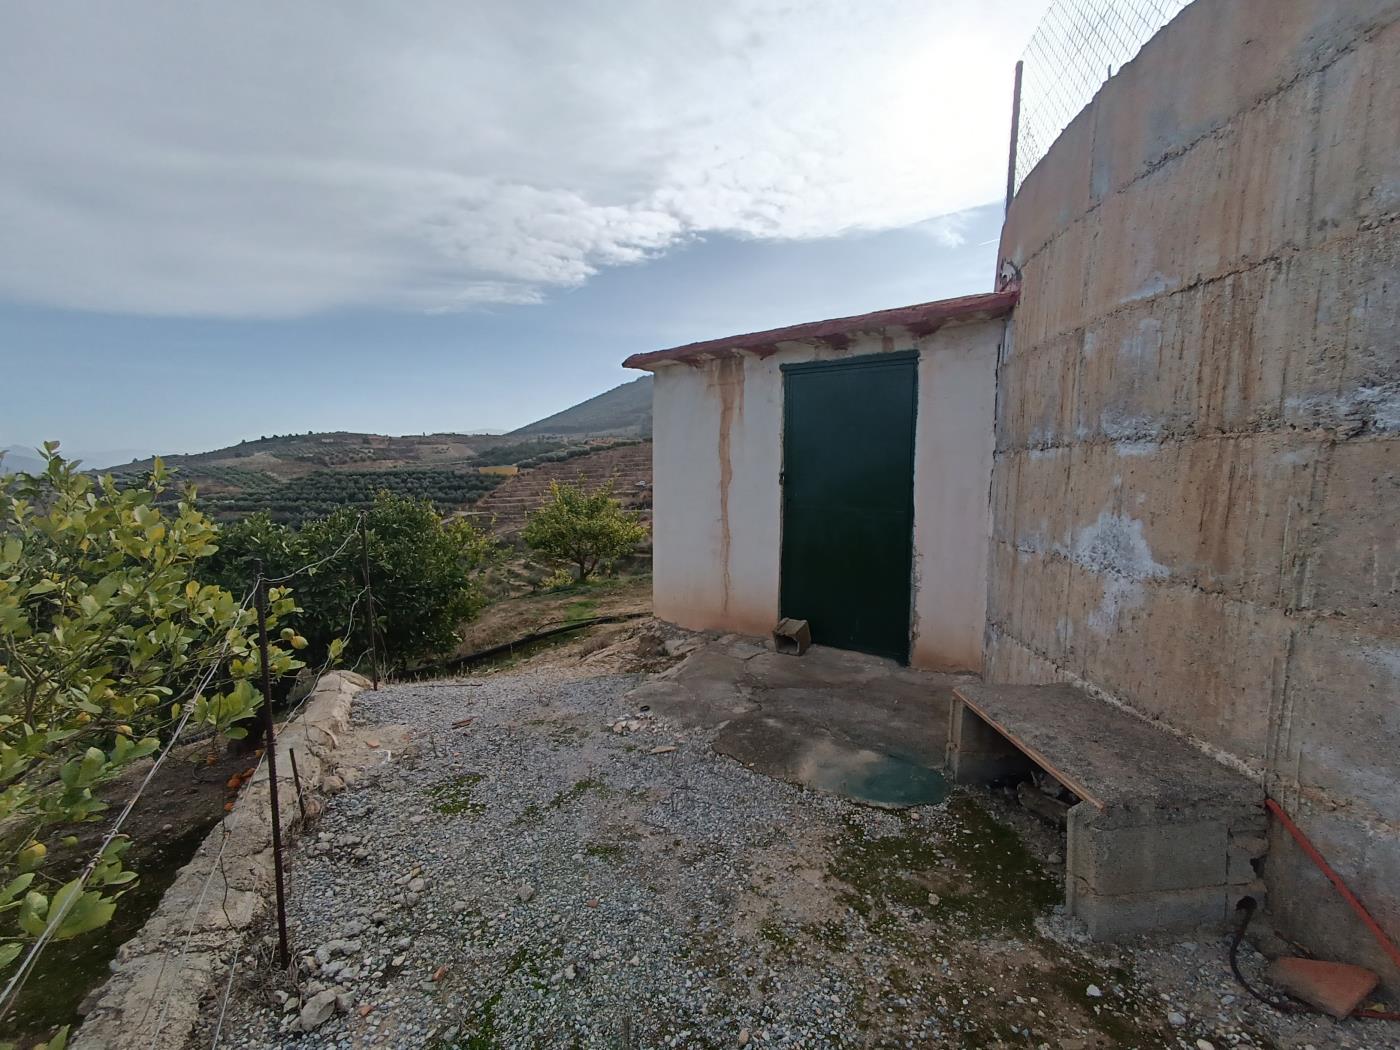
262, 159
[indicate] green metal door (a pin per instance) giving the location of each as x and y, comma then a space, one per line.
848, 500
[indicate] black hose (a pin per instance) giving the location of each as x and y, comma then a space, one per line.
1248, 905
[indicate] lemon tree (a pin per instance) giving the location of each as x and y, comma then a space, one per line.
587, 530
108, 640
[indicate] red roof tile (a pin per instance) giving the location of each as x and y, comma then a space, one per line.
920, 319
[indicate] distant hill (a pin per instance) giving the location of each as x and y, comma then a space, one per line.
623, 411
299, 476
286, 456
17, 459
293, 477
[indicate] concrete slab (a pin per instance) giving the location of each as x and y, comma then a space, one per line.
842, 722
1107, 757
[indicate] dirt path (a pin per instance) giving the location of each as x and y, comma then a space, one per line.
535, 874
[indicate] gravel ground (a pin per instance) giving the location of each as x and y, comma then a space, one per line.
544, 877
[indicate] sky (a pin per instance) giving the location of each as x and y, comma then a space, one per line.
226, 220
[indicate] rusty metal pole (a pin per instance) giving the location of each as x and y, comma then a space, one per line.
369, 596
1015, 136
270, 752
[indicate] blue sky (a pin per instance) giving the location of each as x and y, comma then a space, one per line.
230, 220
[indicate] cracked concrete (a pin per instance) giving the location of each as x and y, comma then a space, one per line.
840, 722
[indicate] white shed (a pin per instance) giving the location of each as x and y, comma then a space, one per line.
837, 472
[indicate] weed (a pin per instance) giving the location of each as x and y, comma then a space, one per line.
454, 796
583, 787
831, 935
772, 932
605, 851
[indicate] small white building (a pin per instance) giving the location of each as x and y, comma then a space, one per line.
837, 472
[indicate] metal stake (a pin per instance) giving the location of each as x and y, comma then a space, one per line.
369, 595
1015, 137
270, 751
296, 779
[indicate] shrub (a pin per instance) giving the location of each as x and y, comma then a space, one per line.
107, 635
424, 573
585, 530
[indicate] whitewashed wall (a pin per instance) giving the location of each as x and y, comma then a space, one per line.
718, 506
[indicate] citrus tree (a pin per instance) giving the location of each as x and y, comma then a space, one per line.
424, 571
109, 640
583, 529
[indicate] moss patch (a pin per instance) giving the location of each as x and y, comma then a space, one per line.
609, 851
1006, 886
883, 870
453, 796
587, 786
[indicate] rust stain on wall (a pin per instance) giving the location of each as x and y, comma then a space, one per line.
727, 381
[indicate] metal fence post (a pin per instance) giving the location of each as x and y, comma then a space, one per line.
369, 597
270, 752
1015, 136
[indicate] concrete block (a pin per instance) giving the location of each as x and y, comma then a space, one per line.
1111, 917
1354, 564
1191, 659
1010, 660
1241, 853
1218, 515
1148, 859
1358, 142
1045, 376
1344, 739
977, 753
792, 636
1054, 194
1028, 595
1052, 305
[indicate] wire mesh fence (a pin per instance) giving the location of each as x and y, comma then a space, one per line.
1076, 47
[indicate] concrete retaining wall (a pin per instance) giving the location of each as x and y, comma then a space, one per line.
1197, 473
183, 953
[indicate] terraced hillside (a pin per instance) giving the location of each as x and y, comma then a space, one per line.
303, 476
628, 467
293, 477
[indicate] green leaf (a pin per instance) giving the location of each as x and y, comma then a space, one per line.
90, 911
15, 887
8, 954
32, 912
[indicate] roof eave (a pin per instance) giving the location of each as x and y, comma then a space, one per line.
921, 319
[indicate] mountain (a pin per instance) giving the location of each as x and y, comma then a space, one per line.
623, 411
